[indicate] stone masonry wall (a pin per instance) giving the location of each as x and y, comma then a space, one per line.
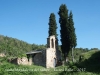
21, 61
51, 52
50, 56
2, 55
39, 59
24, 61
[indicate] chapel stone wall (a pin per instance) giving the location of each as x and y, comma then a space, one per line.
51, 52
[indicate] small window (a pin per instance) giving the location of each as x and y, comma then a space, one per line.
52, 43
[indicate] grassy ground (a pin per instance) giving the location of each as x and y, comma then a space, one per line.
89, 65
10, 69
91, 61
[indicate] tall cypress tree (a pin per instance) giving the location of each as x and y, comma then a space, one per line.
52, 25
73, 39
68, 37
63, 20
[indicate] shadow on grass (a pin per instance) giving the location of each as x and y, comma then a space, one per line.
91, 64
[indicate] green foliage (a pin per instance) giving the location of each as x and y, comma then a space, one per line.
91, 61
71, 65
78, 73
77, 53
87, 55
63, 20
52, 25
72, 34
68, 36
35, 46
3, 59
13, 47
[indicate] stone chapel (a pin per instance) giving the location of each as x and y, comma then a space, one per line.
49, 57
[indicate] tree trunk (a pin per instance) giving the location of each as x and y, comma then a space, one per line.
72, 56
66, 58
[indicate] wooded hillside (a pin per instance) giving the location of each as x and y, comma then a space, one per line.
14, 47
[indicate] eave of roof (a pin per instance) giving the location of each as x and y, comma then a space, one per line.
33, 52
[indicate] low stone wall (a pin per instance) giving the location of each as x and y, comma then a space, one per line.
2, 55
21, 61
24, 61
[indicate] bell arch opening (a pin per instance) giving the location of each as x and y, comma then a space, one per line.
52, 43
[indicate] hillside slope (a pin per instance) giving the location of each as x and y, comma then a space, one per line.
15, 48
91, 61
